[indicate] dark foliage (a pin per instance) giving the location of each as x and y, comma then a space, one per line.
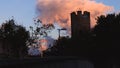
14, 38
107, 33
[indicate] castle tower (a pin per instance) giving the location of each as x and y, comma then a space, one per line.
80, 22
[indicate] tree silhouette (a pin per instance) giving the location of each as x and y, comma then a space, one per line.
107, 30
107, 37
38, 32
14, 38
60, 48
40, 29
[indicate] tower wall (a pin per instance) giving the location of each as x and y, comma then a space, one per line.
80, 22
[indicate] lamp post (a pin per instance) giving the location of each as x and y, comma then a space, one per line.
59, 32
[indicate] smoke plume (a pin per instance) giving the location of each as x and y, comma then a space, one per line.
51, 11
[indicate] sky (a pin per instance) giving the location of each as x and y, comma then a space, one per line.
114, 3
23, 11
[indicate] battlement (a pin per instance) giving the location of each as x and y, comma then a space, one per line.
86, 13
80, 13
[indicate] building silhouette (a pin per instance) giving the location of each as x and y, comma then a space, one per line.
80, 22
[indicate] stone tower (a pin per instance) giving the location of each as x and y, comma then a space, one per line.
80, 22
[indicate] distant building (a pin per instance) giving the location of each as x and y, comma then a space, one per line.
80, 22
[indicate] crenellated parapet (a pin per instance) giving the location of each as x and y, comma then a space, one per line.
80, 13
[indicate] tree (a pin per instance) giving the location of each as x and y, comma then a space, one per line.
38, 32
107, 30
62, 47
107, 38
14, 38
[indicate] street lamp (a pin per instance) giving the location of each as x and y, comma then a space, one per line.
59, 32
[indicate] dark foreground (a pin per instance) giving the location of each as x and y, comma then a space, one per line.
51, 62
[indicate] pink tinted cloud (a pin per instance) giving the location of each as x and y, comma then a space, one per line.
51, 11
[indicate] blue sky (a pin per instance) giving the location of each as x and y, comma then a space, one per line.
25, 10
114, 3
22, 10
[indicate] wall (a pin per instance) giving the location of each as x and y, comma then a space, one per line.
80, 22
